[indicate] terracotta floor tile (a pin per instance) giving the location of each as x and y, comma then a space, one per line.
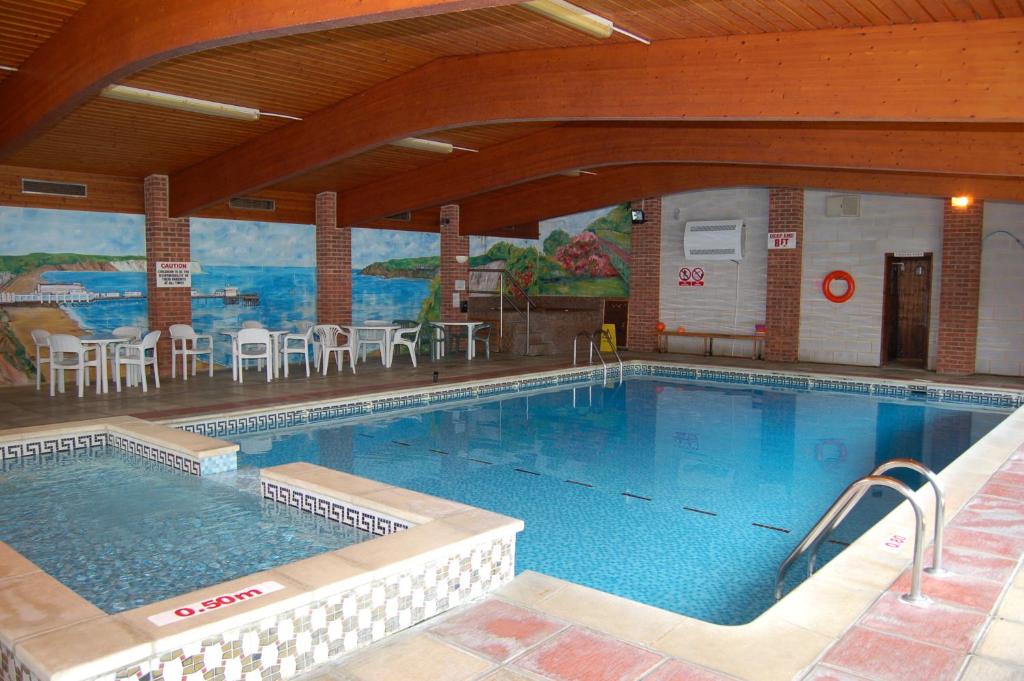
998, 489
995, 544
881, 657
413, 658
974, 563
933, 623
823, 673
1009, 478
955, 589
497, 629
677, 670
991, 514
1014, 466
579, 655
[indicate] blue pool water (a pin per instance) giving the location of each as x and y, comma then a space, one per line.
122, 531
657, 491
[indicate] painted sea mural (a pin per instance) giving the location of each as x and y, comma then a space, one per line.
395, 273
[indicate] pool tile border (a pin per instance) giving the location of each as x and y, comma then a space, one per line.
260, 420
333, 509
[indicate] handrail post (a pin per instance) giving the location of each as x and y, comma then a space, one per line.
940, 506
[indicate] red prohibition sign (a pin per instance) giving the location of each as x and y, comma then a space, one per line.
684, 274
698, 274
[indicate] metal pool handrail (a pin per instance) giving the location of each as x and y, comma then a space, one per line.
590, 341
615, 350
850, 496
940, 513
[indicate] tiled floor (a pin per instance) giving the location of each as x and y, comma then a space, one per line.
541, 629
24, 406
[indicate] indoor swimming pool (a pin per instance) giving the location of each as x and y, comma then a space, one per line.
681, 495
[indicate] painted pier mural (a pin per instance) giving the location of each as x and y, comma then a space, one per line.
81, 272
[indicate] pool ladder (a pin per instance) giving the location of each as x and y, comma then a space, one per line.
845, 503
593, 339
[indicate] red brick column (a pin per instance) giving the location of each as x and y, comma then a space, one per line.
167, 240
452, 245
645, 278
960, 286
333, 263
785, 271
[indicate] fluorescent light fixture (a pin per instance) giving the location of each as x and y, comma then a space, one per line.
8, 68
572, 16
434, 146
136, 95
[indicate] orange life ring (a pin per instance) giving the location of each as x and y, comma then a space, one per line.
838, 275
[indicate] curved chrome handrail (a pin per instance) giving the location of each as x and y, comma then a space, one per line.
850, 496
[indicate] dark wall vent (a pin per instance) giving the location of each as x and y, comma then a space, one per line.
251, 203
400, 217
54, 188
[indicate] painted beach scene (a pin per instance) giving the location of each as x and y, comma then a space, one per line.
83, 272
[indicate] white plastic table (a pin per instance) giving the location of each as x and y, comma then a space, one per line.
470, 328
101, 341
275, 353
371, 326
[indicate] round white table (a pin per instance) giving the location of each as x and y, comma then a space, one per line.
470, 328
275, 339
101, 341
375, 327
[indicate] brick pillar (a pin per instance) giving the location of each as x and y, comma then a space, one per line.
333, 263
785, 271
167, 240
960, 286
452, 245
645, 278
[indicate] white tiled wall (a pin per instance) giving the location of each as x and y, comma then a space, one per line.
714, 307
1001, 309
850, 332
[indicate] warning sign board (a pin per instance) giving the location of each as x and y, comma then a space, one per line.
173, 274
777, 240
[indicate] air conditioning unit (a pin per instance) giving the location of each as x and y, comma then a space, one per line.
845, 206
713, 240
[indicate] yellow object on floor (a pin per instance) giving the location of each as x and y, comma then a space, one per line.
610, 330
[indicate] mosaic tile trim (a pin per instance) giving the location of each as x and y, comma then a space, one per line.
54, 444
218, 464
148, 450
296, 641
11, 669
222, 426
329, 508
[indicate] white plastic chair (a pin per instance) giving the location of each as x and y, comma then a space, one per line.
302, 326
187, 343
254, 344
328, 337
41, 339
253, 324
372, 338
67, 352
130, 333
290, 345
408, 338
135, 357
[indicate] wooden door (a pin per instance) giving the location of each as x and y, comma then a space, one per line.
905, 326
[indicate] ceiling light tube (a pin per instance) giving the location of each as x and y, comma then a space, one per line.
425, 145
572, 16
136, 95
12, 69
578, 172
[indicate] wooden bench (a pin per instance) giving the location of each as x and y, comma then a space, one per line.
710, 337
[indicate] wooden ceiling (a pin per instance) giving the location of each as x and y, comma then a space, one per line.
298, 75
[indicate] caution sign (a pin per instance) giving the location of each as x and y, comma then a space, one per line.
173, 274
691, 277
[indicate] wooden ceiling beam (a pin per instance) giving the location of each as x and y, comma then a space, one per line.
935, 149
109, 39
942, 72
558, 196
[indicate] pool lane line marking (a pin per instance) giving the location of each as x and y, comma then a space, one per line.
771, 527
399, 442
840, 542
523, 470
489, 463
364, 435
698, 510
581, 484
439, 451
635, 496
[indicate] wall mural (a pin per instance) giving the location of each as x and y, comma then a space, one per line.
82, 272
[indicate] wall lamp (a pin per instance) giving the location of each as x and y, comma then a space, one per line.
462, 259
125, 93
960, 201
579, 19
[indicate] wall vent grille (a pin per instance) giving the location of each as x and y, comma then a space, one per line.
252, 203
400, 217
48, 188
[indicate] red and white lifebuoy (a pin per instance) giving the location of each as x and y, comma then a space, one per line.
838, 275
